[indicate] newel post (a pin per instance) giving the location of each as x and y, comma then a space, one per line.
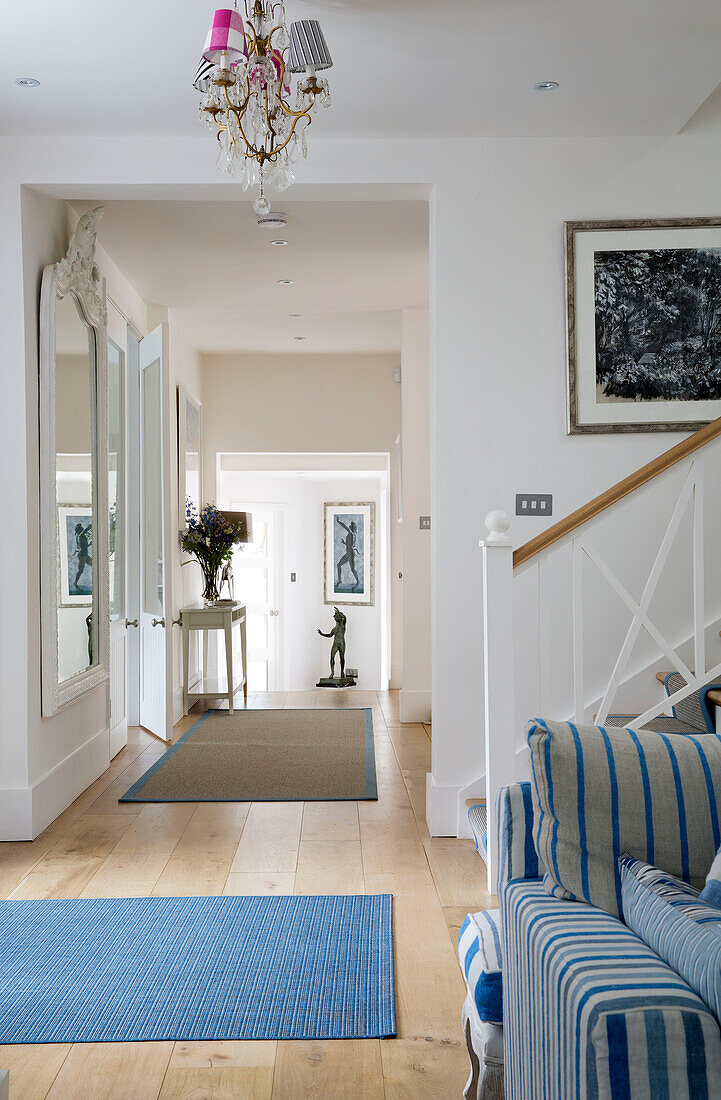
500, 735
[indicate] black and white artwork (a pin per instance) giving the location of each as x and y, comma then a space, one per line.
348, 550
75, 542
644, 326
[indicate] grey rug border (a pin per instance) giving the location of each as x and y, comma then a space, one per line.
371, 788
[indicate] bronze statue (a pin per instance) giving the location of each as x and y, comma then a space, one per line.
338, 636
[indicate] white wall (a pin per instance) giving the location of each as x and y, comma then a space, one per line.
303, 611
498, 340
415, 697
303, 403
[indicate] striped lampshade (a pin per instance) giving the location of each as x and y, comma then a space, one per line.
226, 35
202, 79
308, 47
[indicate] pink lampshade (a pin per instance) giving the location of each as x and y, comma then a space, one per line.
226, 35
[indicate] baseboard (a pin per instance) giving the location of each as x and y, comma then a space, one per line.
415, 706
177, 704
396, 680
26, 811
16, 814
441, 808
61, 786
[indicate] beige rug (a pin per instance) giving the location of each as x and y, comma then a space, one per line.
266, 756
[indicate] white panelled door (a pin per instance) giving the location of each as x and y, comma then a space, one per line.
117, 497
156, 657
258, 569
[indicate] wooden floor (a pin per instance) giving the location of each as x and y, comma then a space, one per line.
100, 848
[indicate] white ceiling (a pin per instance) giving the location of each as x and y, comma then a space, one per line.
411, 68
354, 266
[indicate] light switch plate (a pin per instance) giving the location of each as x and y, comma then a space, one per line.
424, 523
352, 672
292, 577
534, 504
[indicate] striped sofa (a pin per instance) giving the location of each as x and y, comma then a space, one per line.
589, 1011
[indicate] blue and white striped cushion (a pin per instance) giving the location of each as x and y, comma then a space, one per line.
669, 916
711, 892
517, 857
590, 1011
479, 949
603, 792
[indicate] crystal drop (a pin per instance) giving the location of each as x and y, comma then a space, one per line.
261, 205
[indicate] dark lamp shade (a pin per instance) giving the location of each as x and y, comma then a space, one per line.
308, 47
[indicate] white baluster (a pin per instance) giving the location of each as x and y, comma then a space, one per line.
498, 668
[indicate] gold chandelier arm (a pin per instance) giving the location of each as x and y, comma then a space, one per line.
287, 141
238, 110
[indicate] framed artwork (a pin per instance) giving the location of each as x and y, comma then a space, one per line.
644, 325
190, 455
75, 545
349, 554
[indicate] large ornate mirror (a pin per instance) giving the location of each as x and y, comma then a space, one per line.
73, 473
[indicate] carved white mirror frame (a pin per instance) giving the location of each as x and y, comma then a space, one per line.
75, 274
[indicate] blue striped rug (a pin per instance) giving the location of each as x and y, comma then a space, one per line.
128, 969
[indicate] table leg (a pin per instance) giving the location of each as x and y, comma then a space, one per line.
244, 657
229, 657
186, 655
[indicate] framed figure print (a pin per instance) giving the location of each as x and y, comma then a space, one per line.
75, 546
190, 455
644, 325
349, 554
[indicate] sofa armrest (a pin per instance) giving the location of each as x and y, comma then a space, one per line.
517, 852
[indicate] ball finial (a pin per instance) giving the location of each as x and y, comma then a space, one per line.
497, 523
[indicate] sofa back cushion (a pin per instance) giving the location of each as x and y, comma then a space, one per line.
602, 792
671, 919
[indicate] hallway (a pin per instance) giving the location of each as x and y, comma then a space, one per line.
101, 848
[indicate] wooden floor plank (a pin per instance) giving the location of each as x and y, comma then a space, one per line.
341, 1069
32, 1068
329, 867
201, 859
112, 1071
260, 883
222, 1070
270, 838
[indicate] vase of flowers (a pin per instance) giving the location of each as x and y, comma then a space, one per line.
210, 537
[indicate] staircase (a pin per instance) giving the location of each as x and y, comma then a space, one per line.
478, 820
580, 621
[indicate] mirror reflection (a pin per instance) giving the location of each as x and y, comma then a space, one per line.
74, 435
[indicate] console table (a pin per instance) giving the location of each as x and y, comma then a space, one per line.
223, 617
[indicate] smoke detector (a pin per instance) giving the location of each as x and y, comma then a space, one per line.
273, 220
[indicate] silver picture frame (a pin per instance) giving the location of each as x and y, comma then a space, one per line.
637, 235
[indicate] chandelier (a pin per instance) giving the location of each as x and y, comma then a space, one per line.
245, 77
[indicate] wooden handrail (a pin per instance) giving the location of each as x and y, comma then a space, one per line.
622, 489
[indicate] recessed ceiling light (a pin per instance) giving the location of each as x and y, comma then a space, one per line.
299, 337
546, 86
274, 220
295, 314
285, 282
279, 244
27, 82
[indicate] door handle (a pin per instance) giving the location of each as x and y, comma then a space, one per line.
274, 613
131, 622
159, 622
